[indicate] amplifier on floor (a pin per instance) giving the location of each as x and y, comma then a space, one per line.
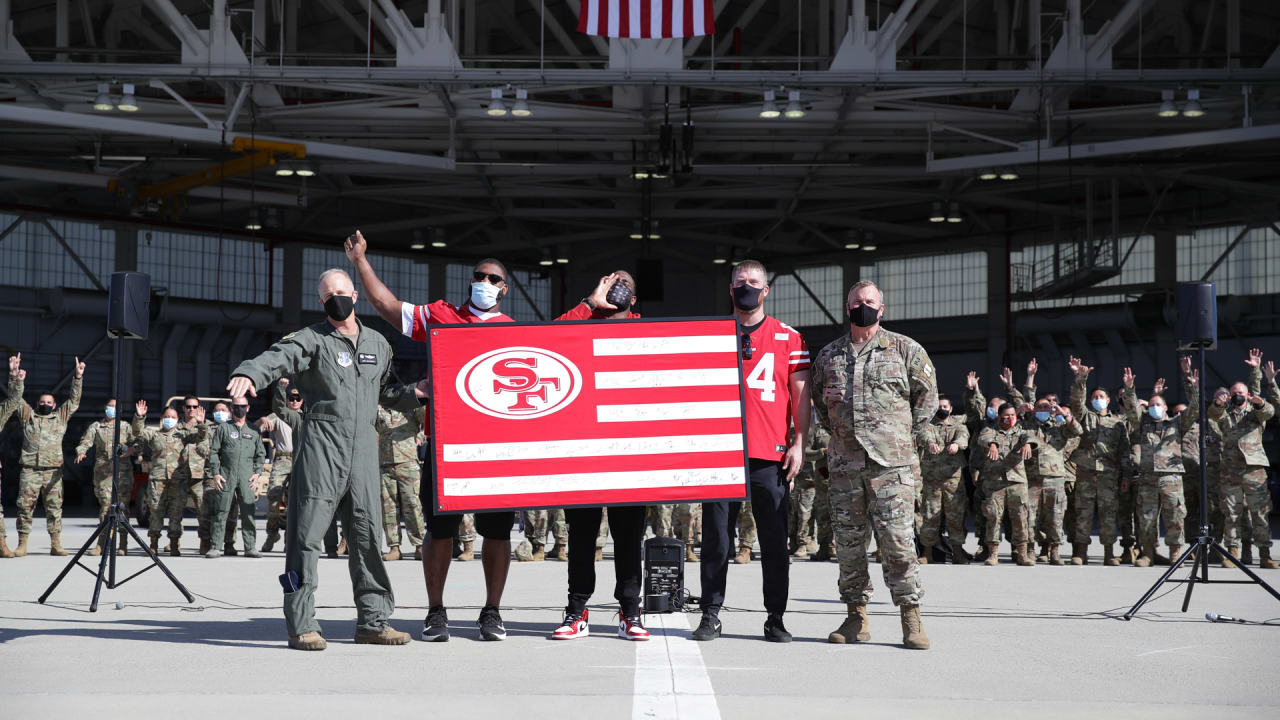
663, 575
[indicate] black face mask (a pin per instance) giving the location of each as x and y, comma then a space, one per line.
864, 315
242, 410
339, 307
621, 296
746, 297
43, 409
1237, 400
943, 414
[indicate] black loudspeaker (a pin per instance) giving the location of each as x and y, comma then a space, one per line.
128, 310
663, 575
1197, 316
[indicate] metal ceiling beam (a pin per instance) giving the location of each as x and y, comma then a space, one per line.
91, 180
100, 123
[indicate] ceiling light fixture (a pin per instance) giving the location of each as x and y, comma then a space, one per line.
937, 215
653, 230
769, 110
102, 103
520, 108
562, 260
305, 169
437, 238
254, 223
284, 168
1008, 174
128, 101
794, 109
1193, 108
417, 246
868, 248
636, 234
954, 216
639, 174
497, 108
719, 261
1167, 108
988, 174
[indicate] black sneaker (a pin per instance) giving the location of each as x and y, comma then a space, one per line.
490, 622
708, 628
775, 631
436, 627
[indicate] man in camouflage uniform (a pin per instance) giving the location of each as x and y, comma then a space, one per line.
166, 493
191, 462
874, 391
1097, 459
1243, 483
1051, 440
283, 424
100, 437
1004, 485
538, 522
398, 440
802, 522
1157, 454
822, 509
1069, 480
1127, 495
746, 533
688, 527
941, 452
42, 433
980, 413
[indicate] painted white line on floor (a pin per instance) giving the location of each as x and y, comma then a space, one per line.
671, 679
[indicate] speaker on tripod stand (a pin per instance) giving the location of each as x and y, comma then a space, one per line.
128, 318
1198, 330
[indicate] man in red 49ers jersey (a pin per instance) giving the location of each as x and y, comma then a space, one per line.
487, 290
612, 299
775, 370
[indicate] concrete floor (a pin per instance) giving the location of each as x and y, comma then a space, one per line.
1041, 642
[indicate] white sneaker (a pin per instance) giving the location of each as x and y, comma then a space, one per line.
632, 628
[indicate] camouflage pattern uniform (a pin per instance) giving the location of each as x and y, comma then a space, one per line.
401, 474
1157, 456
1050, 443
1069, 485
688, 523
1004, 485
1243, 481
284, 439
1127, 508
1097, 461
976, 420
746, 527
943, 491
41, 456
190, 471
538, 522
99, 436
806, 491
166, 493
661, 518
875, 401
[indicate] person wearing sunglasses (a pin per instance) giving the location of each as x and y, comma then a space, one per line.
775, 371
488, 287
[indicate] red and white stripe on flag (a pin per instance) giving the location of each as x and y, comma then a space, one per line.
647, 18
586, 414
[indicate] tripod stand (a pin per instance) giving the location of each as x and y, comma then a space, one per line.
114, 522
1198, 551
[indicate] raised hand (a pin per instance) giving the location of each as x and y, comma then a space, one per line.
22, 376
79, 368
1128, 377
1254, 359
199, 414
1077, 367
1158, 388
600, 296
1185, 364
1269, 370
1006, 375
141, 408
1032, 367
240, 385
1193, 378
355, 246
15, 362
971, 381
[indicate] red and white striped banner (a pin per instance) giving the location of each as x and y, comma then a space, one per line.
584, 414
647, 18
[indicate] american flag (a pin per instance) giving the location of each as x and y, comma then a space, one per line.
647, 18
585, 414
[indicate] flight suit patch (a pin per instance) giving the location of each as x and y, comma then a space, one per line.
367, 359
344, 359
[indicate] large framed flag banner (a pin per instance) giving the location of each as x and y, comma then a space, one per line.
569, 414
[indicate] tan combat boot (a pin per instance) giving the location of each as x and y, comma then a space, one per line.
743, 557
175, 547
1144, 560
55, 544
1079, 554
599, 554
801, 552
342, 546
958, 556
155, 544
558, 552
1109, 556
392, 554
993, 554
21, 550
689, 554
307, 641
386, 636
468, 552
855, 628
913, 636
1264, 559
1023, 555
539, 553
1054, 557
96, 550
5, 552
1174, 552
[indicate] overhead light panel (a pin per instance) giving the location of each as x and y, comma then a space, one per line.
639, 174
954, 216
254, 222
417, 246
1167, 108
937, 215
769, 110
285, 168
794, 109
305, 169
437, 238
720, 261
1008, 174
869, 247
653, 230
1193, 108
851, 240
520, 108
102, 103
497, 108
988, 174
546, 262
636, 233
562, 260
128, 101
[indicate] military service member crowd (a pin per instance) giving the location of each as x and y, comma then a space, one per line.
851, 445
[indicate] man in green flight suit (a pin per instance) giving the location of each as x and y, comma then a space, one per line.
344, 370
236, 458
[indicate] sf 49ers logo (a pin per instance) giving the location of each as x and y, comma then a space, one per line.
519, 383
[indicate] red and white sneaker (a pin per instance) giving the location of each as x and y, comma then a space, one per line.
574, 626
632, 628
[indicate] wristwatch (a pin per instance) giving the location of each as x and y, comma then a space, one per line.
590, 306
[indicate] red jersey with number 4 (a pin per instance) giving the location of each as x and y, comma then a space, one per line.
777, 351
415, 318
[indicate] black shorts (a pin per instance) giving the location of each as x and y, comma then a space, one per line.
489, 525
